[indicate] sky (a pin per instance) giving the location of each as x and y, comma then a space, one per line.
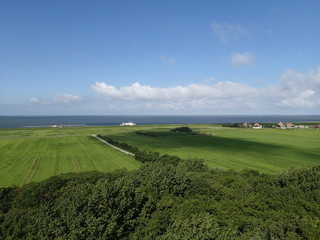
75, 57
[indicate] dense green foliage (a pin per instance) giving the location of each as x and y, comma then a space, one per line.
145, 134
233, 125
166, 199
182, 130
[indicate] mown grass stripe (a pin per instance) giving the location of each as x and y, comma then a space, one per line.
75, 162
31, 171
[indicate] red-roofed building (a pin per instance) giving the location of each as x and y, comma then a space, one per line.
289, 125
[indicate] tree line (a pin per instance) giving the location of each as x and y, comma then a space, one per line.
140, 155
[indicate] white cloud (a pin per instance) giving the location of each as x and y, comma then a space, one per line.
242, 59
137, 92
66, 98
299, 89
168, 60
302, 99
295, 91
34, 100
292, 79
39, 101
57, 99
227, 31
209, 80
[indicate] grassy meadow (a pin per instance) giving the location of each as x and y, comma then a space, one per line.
28, 155
36, 155
266, 150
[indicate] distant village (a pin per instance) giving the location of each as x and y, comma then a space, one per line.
279, 125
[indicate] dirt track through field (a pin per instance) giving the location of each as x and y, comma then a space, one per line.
119, 149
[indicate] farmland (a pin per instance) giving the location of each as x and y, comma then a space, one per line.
266, 150
28, 155
33, 159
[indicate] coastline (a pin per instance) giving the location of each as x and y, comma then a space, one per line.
114, 120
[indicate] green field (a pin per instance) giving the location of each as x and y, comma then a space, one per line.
266, 150
28, 155
33, 159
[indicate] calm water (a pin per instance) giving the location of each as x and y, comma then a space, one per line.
45, 121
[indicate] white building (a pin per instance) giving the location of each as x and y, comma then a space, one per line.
128, 124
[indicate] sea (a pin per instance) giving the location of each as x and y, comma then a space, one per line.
108, 120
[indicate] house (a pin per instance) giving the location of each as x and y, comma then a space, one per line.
257, 126
289, 125
246, 125
317, 127
282, 125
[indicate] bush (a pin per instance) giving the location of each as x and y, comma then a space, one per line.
182, 130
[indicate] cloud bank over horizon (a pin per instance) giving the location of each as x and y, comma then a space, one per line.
295, 90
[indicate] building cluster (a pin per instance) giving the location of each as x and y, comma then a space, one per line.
279, 125
282, 125
254, 126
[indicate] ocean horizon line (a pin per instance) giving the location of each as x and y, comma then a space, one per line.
113, 120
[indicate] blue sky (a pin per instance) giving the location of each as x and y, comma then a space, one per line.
159, 57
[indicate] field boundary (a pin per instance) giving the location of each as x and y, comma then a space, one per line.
110, 145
